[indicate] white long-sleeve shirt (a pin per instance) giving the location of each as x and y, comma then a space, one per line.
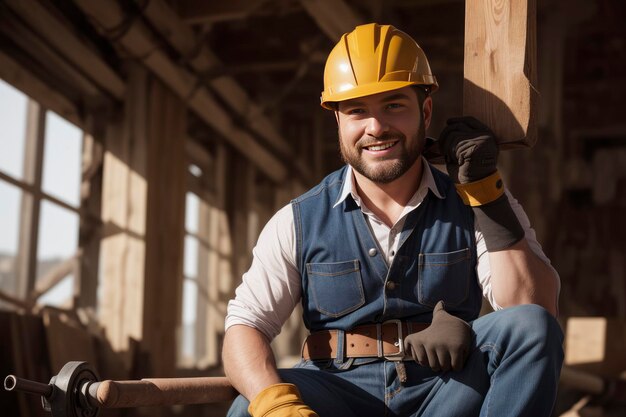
271, 288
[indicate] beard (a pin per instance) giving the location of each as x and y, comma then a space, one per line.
385, 170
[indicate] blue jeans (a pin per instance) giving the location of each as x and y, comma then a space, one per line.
512, 371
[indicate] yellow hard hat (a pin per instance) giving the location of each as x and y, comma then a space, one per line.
373, 59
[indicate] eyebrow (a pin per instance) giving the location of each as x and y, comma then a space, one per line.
393, 97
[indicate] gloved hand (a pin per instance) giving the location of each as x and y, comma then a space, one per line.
443, 345
469, 148
280, 400
471, 153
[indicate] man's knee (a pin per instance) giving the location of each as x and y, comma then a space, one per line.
534, 319
530, 323
239, 408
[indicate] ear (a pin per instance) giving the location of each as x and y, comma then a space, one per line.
427, 111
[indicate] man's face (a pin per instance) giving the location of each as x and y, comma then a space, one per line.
382, 135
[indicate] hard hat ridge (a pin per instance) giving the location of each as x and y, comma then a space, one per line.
373, 59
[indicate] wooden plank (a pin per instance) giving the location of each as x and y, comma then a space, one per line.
67, 341
596, 345
165, 227
500, 68
195, 12
69, 45
13, 404
334, 17
91, 203
49, 61
124, 205
23, 79
140, 43
23, 352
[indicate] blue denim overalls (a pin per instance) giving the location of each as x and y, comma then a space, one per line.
344, 273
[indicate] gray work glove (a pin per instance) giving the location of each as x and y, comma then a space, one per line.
443, 345
469, 148
471, 153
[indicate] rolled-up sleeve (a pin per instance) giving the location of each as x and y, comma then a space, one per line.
271, 288
483, 266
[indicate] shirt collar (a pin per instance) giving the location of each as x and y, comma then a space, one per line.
427, 183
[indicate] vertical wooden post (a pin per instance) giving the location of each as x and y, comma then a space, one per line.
143, 214
124, 200
500, 68
90, 200
166, 178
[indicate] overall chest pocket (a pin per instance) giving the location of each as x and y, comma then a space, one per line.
444, 276
336, 288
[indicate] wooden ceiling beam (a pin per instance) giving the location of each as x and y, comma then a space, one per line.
204, 61
199, 12
139, 42
69, 45
23, 79
334, 17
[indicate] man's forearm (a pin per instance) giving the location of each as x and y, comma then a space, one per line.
248, 360
519, 276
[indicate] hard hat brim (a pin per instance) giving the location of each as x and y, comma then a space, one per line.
327, 100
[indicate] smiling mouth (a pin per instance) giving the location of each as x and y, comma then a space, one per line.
380, 147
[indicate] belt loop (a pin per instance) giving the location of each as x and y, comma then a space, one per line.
341, 343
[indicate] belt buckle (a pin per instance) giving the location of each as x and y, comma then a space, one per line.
399, 342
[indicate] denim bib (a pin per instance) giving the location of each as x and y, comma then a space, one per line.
346, 280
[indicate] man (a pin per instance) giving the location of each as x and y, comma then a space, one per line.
388, 257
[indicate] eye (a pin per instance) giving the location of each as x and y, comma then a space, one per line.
395, 106
355, 111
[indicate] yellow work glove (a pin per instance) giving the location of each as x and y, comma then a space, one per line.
280, 400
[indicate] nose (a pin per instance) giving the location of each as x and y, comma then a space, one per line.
376, 126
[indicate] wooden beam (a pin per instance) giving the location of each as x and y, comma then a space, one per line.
139, 43
500, 68
90, 203
69, 45
196, 12
54, 276
204, 61
334, 17
54, 68
23, 79
165, 227
124, 208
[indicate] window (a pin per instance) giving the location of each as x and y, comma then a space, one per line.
207, 256
40, 175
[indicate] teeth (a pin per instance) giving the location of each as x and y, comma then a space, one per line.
381, 147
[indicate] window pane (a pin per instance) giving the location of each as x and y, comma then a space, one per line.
59, 295
191, 257
9, 226
62, 159
13, 106
58, 240
190, 300
192, 210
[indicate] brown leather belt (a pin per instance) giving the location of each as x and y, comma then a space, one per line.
380, 340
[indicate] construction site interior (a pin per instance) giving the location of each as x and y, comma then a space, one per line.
144, 144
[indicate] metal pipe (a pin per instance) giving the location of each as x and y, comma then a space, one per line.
160, 392
13, 383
